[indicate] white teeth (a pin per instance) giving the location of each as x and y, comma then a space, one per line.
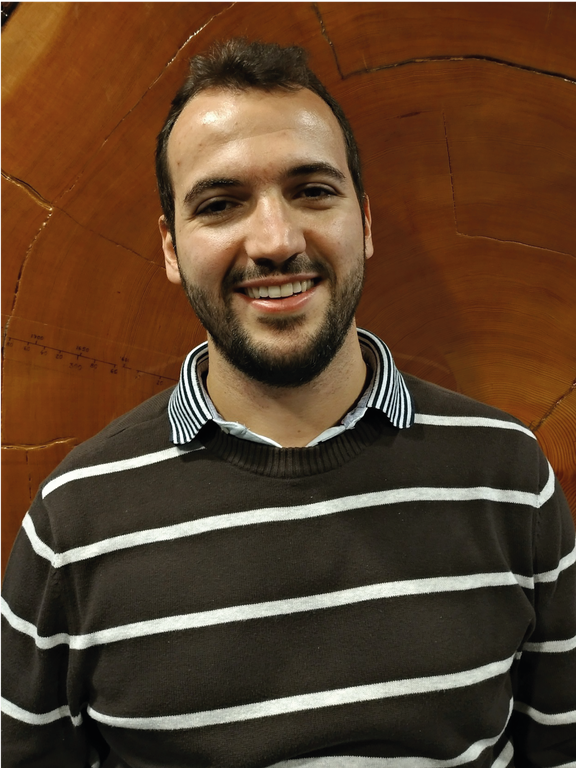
279, 291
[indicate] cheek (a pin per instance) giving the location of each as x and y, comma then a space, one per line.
344, 239
205, 257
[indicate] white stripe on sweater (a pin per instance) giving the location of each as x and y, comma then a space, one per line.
263, 610
551, 646
43, 642
544, 718
273, 707
299, 604
115, 466
505, 757
308, 701
283, 514
552, 575
31, 718
355, 761
469, 421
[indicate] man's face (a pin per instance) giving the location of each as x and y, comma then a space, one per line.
269, 234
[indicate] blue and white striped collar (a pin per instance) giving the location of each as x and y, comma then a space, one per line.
190, 407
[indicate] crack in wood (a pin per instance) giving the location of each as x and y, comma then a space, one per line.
109, 240
23, 266
37, 197
485, 237
515, 242
40, 446
326, 36
553, 407
473, 57
464, 57
10, 316
152, 84
29, 189
7, 11
434, 59
451, 173
201, 29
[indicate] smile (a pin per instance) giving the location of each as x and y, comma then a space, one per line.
279, 291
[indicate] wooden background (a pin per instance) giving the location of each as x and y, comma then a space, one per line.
466, 115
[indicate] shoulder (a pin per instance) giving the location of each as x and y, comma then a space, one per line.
477, 432
142, 430
431, 398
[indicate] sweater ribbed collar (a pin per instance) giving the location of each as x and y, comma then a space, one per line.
190, 409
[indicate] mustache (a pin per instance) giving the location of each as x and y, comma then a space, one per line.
295, 265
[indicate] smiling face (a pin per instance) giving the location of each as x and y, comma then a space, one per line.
269, 232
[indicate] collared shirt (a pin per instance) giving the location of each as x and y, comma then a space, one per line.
190, 406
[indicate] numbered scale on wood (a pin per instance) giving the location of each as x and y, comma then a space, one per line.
78, 359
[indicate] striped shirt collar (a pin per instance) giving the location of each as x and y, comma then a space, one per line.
190, 407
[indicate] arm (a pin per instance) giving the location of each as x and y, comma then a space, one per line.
42, 723
545, 707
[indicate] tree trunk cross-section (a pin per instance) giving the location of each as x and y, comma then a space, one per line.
465, 114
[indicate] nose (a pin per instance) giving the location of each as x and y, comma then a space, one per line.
273, 231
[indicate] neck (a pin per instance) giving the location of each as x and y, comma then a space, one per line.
291, 416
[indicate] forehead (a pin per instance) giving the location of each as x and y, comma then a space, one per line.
220, 127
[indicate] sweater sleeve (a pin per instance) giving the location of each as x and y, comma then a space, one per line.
41, 726
545, 708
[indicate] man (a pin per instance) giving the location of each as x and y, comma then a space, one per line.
298, 556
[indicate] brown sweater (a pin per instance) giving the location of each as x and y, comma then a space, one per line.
387, 599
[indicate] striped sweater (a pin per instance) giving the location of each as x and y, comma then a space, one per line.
391, 598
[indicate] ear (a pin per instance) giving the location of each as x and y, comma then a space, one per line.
170, 258
368, 227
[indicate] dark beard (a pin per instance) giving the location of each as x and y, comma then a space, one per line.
256, 361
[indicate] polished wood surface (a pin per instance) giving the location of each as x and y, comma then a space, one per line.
466, 115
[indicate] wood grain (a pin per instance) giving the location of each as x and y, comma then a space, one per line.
465, 114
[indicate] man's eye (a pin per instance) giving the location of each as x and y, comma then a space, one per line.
214, 207
316, 192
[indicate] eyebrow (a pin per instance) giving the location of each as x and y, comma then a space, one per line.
308, 169
218, 182
206, 185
